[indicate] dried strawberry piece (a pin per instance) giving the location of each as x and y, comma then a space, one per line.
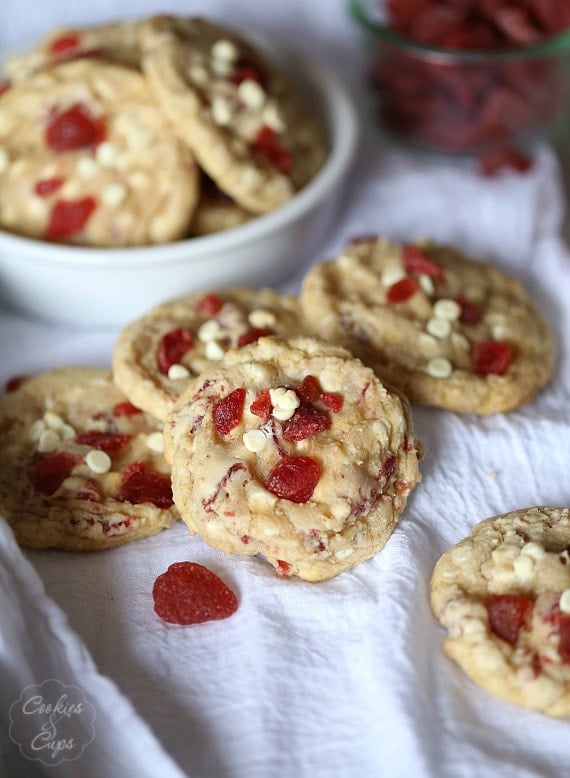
108, 442
210, 304
332, 400
64, 44
69, 217
47, 186
228, 411
415, 261
139, 484
492, 357
5, 85
172, 347
266, 144
470, 314
508, 614
564, 639
50, 471
189, 593
294, 478
15, 382
126, 409
74, 128
262, 405
247, 70
283, 568
402, 290
309, 389
306, 422
494, 162
252, 335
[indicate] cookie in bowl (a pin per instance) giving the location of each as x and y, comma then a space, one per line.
292, 449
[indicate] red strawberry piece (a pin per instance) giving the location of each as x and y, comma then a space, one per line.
126, 409
283, 568
268, 146
305, 422
50, 471
508, 614
564, 640
252, 335
294, 478
494, 162
5, 85
64, 44
172, 347
209, 305
47, 186
309, 389
470, 314
189, 593
262, 405
247, 70
103, 441
492, 357
415, 261
402, 290
139, 484
74, 128
69, 217
332, 400
228, 411
15, 383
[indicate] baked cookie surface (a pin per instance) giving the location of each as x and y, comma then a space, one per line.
503, 594
115, 42
81, 468
241, 118
80, 144
294, 450
156, 356
448, 331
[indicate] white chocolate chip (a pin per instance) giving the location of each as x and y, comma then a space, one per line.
221, 111
36, 429
223, 49
221, 68
343, 553
177, 372
426, 283
198, 74
107, 154
260, 317
447, 309
533, 550
66, 432
114, 194
523, 566
284, 398
251, 93
392, 275
564, 602
458, 339
155, 442
210, 330
53, 420
439, 367
48, 441
87, 167
254, 440
98, 461
272, 117
439, 328
213, 351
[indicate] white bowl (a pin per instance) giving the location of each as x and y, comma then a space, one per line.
94, 287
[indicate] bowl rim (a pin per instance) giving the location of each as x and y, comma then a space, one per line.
342, 123
557, 46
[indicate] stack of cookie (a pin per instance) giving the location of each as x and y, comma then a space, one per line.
146, 132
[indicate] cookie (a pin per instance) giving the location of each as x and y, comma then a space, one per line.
156, 356
503, 594
80, 147
81, 468
115, 42
448, 331
215, 211
293, 450
239, 115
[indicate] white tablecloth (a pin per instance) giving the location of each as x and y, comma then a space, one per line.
344, 678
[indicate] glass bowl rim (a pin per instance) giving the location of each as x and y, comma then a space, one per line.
557, 46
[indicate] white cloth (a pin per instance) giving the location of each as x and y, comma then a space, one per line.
344, 678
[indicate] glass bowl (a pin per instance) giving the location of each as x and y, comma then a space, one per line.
465, 101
